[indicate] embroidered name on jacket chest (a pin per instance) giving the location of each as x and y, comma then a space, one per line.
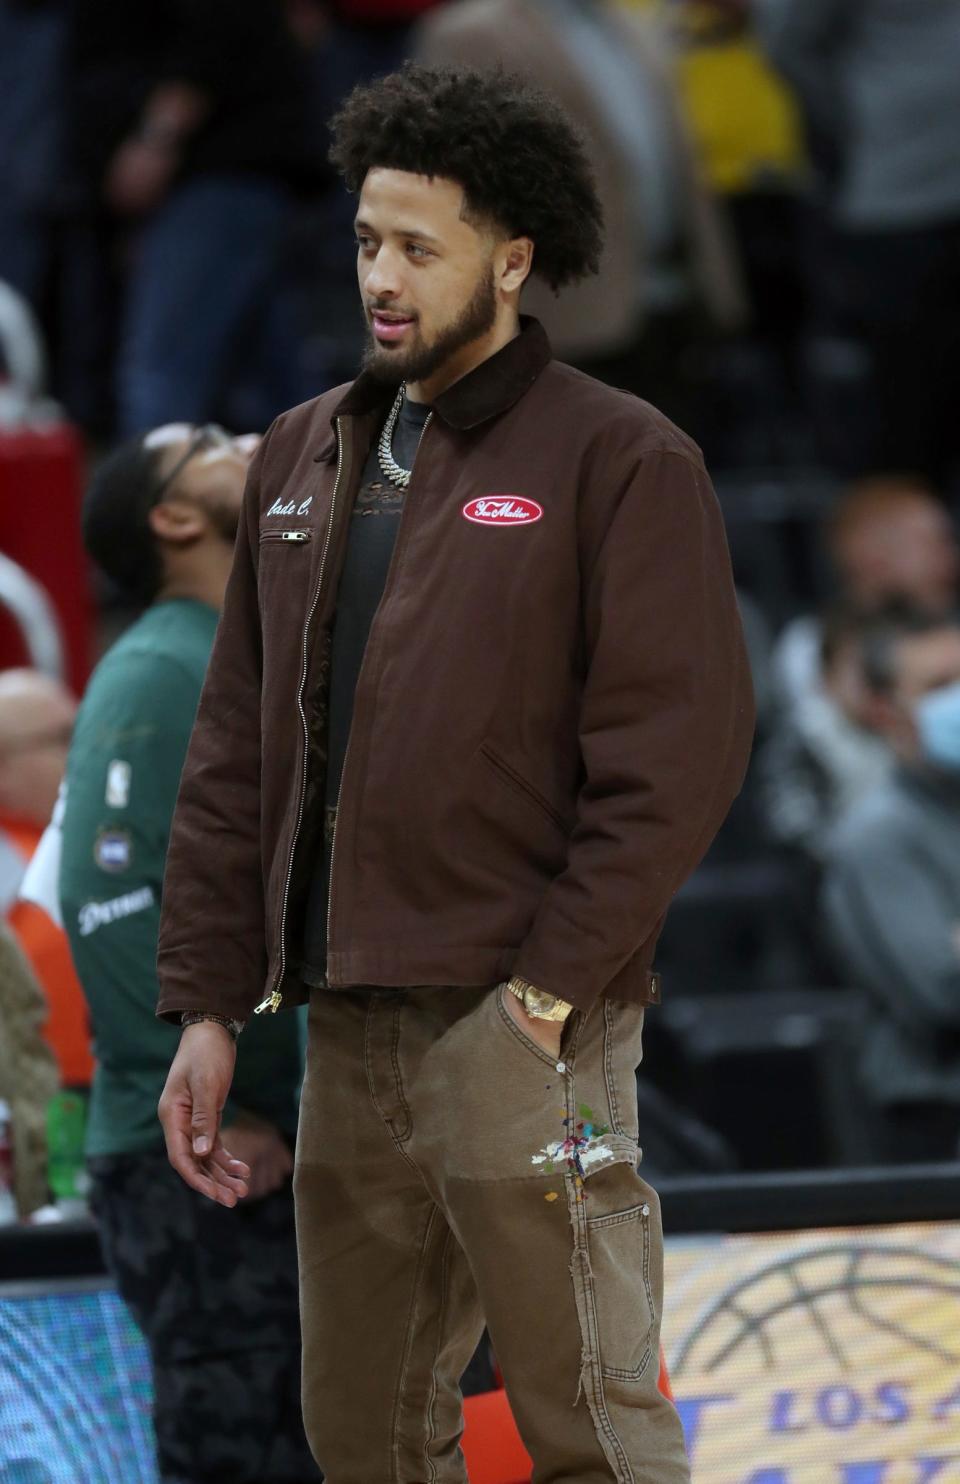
291, 507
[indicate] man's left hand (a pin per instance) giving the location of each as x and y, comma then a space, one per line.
548, 1034
262, 1147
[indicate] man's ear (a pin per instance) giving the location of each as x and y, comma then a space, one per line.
517, 264
177, 521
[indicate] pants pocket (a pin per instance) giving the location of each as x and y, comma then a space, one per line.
508, 1024
619, 1245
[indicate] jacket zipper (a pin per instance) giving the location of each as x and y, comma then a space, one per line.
274, 998
346, 755
298, 536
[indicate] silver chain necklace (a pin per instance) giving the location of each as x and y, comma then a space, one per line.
388, 464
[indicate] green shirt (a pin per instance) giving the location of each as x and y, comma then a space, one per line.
122, 778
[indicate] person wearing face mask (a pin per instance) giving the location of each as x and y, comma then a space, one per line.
892, 889
160, 518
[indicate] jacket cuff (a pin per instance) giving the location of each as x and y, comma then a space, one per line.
174, 1004
642, 987
197, 1017
551, 983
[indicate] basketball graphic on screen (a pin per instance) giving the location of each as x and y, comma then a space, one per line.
842, 1302
827, 1357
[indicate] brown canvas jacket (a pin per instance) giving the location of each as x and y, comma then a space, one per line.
553, 715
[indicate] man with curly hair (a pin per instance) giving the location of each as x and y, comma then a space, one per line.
478, 703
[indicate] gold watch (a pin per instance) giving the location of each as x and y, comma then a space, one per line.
537, 1002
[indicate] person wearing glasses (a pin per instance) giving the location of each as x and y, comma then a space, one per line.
215, 1298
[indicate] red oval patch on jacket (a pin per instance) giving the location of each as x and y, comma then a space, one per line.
502, 510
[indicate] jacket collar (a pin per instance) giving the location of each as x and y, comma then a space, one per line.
485, 392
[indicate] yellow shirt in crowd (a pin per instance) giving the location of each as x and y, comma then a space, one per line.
743, 117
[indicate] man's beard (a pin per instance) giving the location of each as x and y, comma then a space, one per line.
421, 361
221, 511
224, 516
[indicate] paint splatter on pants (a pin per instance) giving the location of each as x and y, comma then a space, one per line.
449, 1170
215, 1293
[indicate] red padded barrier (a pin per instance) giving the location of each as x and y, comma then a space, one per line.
40, 489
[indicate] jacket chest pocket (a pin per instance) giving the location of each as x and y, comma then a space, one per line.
293, 537
283, 578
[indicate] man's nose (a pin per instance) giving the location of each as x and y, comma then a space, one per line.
383, 278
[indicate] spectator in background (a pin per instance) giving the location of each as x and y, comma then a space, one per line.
888, 538
668, 276
748, 133
823, 757
36, 721
28, 1073
879, 78
892, 896
744, 120
31, 43
189, 124
215, 1292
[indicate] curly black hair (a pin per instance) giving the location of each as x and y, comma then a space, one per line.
520, 161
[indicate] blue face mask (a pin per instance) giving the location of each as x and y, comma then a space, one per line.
937, 715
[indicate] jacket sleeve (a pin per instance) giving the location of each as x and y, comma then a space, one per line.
212, 953
665, 729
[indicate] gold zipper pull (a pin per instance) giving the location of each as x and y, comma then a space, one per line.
271, 1003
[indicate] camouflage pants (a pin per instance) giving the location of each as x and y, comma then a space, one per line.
215, 1293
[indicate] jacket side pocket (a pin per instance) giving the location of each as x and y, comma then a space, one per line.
520, 785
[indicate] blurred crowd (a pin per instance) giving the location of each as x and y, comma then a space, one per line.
781, 180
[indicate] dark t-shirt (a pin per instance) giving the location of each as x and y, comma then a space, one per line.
373, 532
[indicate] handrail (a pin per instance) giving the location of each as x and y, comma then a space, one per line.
35, 616
23, 366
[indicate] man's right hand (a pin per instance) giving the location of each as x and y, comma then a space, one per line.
190, 1108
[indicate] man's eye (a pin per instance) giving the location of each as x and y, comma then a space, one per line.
416, 251
364, 243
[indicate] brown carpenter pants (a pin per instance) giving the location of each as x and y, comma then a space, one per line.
432, 1195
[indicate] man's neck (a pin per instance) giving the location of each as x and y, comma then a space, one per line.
207, 587
465, 361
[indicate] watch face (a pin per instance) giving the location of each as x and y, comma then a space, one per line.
538, 1002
